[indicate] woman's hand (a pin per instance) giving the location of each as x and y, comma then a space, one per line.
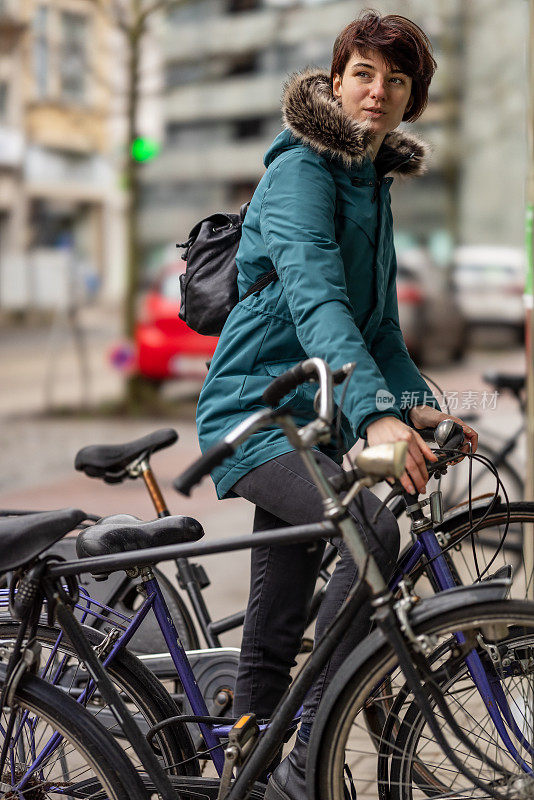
391, 429
428, 417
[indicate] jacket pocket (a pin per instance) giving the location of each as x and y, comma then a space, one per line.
300, 398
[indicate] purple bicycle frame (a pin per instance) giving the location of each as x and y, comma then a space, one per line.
488, 687
426, 545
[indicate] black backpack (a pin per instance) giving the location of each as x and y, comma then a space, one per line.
208, 288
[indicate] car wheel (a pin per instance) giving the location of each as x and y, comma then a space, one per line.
145, 388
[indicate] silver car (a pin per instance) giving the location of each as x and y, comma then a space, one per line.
490, 284
431, 320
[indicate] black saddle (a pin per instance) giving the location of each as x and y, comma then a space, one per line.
122, 533
109, 461
24, 538
499, 380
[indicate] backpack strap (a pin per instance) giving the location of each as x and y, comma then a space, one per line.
261, 283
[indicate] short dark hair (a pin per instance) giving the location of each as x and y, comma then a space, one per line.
400, 42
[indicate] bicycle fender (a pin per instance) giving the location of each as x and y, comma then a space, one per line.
459, 515
366, 652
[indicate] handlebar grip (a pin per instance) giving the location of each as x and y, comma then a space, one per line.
427, 434
201, 467
284, 384
339, 375
342, 481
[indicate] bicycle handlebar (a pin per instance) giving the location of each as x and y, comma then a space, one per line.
202, 466
447, 433
296, 376
284, 384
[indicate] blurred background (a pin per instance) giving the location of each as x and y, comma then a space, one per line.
124, 122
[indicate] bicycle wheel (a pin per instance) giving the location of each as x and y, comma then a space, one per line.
414, 742
149, 638
403, 763
454, 485
487, 538
144, 695
121, 593
85, 763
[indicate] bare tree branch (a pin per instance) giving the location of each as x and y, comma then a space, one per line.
158, 5
114, 13
120, 15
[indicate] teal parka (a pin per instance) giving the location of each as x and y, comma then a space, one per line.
321, 216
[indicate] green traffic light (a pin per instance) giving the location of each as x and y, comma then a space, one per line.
144, 148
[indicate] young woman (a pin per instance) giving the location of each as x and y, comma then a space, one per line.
321, 216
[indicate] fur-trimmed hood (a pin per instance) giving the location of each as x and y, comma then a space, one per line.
314, 116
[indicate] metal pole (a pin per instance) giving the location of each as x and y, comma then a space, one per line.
528, 541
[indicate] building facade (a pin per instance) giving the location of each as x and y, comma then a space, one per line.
12, 210
65, 229
225, 63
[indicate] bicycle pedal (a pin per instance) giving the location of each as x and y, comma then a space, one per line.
241, 739
244, 733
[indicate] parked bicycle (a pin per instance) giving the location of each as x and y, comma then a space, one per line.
131, 460
504, 455
404, 629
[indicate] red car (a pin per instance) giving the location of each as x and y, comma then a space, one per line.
164, 346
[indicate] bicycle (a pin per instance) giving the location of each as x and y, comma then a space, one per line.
211, 727
116, 463
83, 760
499, 454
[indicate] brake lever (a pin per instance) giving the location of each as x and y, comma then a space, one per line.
435, 470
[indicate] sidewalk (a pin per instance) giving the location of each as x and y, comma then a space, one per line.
29, 357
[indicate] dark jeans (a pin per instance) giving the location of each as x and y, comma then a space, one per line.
283, 581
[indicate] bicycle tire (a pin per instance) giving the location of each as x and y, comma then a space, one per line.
149, 638
487, 538
358, 683
107, 771
460, 561
144, 693
459, 687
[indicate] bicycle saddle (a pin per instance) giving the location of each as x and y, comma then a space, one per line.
109, 461
121, 533
500, 380
24, 538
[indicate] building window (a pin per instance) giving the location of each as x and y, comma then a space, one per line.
235, 6
73, 62
242, 65
41, 50
248, 128
180, 74
239, 192
3, 101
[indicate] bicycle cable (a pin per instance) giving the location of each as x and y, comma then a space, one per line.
474, 528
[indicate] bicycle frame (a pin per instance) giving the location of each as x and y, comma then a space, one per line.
373, 585
426, 545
